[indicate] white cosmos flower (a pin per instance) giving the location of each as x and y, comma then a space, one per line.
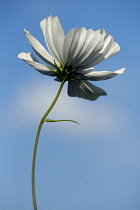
73, 56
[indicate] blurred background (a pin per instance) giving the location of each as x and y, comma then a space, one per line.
92, 166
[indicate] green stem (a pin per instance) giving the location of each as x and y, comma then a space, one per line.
36, 144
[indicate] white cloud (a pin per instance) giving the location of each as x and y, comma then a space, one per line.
31, 102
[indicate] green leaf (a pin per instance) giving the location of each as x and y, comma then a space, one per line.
48, 120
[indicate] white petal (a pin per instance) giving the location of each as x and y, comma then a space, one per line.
110, 48
102, 31
28, 58
101, 75
73, 44
68, 43
39, 49
80, 45
84, 89
84, 71
54, 36
93, 44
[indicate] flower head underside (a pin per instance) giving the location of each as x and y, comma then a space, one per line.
72, 56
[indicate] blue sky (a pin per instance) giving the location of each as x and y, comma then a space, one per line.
92, 166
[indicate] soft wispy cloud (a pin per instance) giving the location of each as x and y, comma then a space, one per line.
32, 100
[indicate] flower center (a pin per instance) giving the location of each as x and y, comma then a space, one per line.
65, 72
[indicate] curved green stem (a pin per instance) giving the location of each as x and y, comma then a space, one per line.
36, 144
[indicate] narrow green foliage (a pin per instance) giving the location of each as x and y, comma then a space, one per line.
48, 120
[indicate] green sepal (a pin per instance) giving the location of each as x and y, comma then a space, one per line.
53, 70
48, 120
58, 69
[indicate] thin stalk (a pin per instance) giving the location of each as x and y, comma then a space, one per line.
36, 143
